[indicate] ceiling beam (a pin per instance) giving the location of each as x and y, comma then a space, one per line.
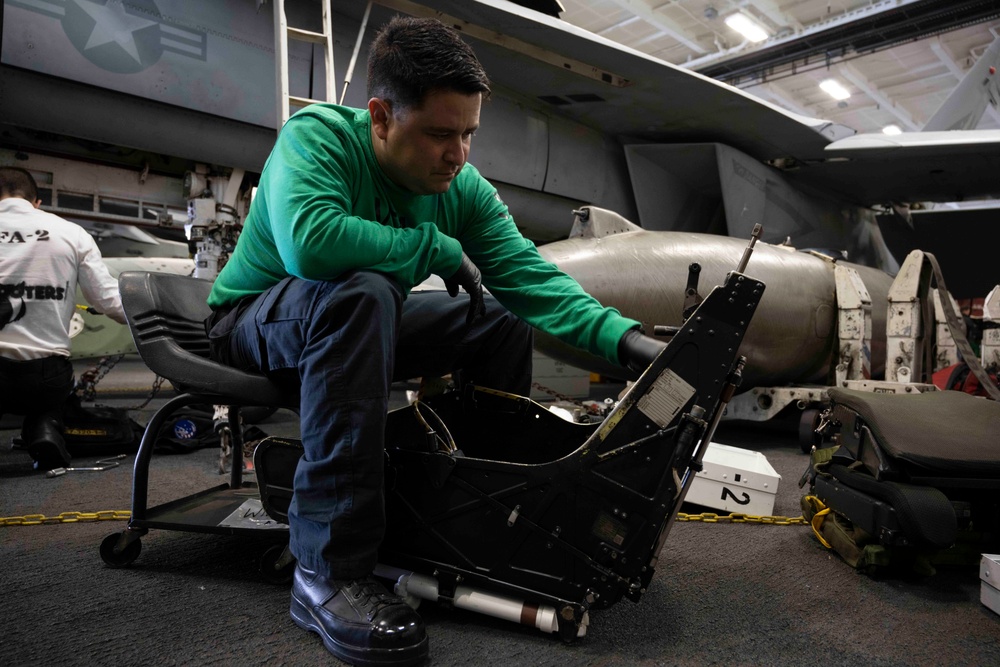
878, 25
772, 12
615, 26
871, 90
774, 93
645, 11
946, 59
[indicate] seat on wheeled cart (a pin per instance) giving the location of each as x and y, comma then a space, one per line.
913, 480
166, 315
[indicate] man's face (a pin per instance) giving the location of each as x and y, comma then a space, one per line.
422, 150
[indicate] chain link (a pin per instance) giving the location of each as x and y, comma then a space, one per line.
773, 520
157, 383
90, 378
87, 385
65, 517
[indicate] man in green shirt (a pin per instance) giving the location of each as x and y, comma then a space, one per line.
353, 209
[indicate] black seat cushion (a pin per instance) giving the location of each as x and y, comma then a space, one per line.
166, 315
939, 432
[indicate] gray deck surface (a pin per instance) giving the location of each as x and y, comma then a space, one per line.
723, 594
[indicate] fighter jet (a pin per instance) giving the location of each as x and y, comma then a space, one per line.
575, 120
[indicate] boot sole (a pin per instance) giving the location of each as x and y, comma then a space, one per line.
359, 655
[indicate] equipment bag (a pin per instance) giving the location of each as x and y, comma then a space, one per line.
959, 377
99, 430
189, 429
194, 428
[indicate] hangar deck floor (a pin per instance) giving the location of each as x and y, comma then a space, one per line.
728, 594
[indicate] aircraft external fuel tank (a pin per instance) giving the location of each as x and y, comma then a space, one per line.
793, 337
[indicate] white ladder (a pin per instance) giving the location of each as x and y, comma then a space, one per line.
284, 32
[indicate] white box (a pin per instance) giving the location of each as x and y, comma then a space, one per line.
989, 574
734, 480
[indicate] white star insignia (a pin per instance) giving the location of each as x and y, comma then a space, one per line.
112, 24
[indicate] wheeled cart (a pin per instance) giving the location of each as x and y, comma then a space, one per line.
231, 508
166, 314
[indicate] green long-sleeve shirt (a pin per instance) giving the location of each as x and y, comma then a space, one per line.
324, 206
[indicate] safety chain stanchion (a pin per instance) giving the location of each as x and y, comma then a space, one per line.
711, 517
65, 517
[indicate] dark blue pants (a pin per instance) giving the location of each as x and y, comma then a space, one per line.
342, 343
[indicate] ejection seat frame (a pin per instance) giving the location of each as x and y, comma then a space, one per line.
516, 516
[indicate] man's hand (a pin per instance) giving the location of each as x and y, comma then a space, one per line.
636, 351
468, 277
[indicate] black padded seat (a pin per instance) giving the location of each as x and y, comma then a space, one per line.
166, 314
942, 433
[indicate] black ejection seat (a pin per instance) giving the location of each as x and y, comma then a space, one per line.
913, 480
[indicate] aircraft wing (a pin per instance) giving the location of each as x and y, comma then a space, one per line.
944, 166
549, 65
619, 90
641, 99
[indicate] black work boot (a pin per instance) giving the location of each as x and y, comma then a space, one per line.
359, 621
44, 441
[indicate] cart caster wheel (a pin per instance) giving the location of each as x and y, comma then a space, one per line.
807, 430
276, 565
121, 558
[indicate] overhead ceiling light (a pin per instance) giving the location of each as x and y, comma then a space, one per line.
892, 129
834, 89
747, 27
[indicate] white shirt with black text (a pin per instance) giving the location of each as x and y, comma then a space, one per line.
42, 259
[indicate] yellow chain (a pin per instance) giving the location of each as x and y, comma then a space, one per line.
711, 517
121, 515
65, 517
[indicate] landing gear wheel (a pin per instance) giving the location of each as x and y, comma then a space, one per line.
122, 558
807, 430
276, 566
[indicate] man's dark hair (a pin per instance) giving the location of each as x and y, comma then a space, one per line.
412, 57
17, 182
